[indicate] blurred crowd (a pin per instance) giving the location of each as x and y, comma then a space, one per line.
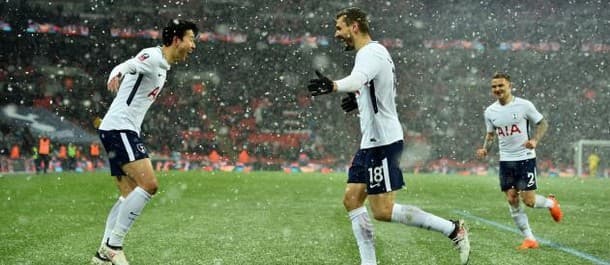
251, 96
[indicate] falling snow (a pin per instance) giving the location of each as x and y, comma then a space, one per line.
244, 86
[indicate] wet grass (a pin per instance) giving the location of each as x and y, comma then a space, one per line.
277, 218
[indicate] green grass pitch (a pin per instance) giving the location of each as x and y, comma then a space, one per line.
278, 218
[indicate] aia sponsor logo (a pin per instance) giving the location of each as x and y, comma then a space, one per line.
506, 131
154, 93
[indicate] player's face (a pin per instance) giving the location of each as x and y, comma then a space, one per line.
186, 45
500, 88
344, 32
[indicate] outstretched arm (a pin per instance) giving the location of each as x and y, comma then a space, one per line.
324, 85
351, 83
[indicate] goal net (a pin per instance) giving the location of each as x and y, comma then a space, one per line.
591, 152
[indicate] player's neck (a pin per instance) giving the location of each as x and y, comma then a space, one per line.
362, 41
169, 54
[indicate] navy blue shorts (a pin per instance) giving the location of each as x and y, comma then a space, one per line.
520, 175
379, 168
122, 147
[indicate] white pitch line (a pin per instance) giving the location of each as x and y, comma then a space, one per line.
552, 244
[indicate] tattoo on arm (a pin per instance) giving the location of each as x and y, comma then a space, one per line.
489, 140
541, 129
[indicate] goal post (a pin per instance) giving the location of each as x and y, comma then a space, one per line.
579, 146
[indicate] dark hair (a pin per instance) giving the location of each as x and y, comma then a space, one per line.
354, 14
177, 28
501, 75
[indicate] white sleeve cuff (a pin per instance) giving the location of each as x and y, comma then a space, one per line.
351, 83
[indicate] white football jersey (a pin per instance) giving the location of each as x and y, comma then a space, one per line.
379, 122
511, 122
143, 79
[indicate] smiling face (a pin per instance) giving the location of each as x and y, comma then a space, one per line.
345, 33
178, 40
185, 46
501, 89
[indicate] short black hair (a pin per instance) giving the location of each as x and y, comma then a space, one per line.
177, 28
355, 14
501, 75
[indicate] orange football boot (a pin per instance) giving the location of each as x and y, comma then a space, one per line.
528, 243
556, 212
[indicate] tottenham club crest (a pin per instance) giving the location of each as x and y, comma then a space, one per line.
514, 116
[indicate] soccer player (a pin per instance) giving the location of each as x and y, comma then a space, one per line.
509, 117
139, 81
375, 172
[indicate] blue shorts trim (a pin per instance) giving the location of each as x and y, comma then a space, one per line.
520, 175
379, 168
122, 147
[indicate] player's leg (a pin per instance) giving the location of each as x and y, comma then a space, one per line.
528, 191
385, 177
110, 222
353, 200
520, 218
354, 197
137, 183
125, 187
385, 209
101, 256
141, 172
533, 200
512, 180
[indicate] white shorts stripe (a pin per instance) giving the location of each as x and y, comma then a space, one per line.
127, 147
386, 175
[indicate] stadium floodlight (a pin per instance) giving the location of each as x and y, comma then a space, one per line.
578, 151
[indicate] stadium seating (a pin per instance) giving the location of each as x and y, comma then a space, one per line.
443, 69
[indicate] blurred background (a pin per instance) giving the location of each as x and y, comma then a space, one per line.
242, 94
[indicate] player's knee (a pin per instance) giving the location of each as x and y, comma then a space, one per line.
351, 202
150, 186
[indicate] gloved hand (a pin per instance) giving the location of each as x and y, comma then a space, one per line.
349, 103
322, 85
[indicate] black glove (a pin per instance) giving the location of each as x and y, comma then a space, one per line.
349, 103
322, 85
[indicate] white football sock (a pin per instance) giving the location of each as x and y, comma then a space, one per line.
521, 221
363, 231
111, 220
413, 216
129, 211
542, 202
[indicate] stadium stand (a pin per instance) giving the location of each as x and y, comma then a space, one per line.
246, 81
